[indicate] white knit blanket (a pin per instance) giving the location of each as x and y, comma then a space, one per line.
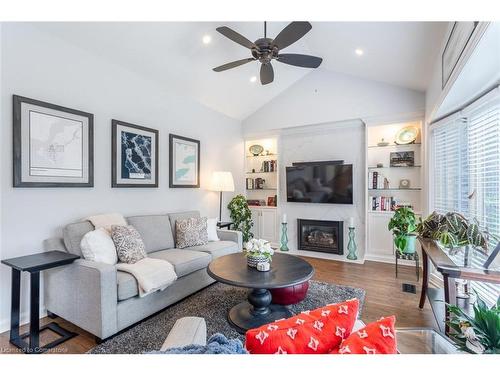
151, 274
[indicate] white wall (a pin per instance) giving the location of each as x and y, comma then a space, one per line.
46, 68
334, 141
323, 96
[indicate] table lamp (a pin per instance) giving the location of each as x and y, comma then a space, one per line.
222, 181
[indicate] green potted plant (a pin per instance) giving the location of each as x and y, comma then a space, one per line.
403, 225
452, 230
241, 216
478, 334
258, 251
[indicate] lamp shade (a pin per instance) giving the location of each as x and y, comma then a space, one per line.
222, 181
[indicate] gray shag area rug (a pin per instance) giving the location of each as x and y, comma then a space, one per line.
212, 303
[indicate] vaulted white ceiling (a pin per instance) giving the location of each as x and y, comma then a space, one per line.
172, 53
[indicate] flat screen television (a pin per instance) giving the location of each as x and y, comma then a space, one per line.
325, 182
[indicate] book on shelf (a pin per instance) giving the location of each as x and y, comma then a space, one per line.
377, 180
379, 203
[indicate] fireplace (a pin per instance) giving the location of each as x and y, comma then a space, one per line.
321, 235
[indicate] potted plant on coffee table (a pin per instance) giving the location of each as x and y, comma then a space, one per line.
403, 226
258, 251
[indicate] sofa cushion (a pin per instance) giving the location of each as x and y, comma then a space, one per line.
191, 232
376, 338
73, 234
127, 285
128, 243
155, 231
311, 332
217, 249
184, 261
180, 216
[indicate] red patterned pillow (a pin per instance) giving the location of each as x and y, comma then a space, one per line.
376, 338
311, 332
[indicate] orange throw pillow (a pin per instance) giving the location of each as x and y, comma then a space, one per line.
376, 338
311, 332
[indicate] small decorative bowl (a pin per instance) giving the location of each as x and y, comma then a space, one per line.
263, 266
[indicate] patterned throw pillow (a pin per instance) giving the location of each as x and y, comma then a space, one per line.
191, 232
128, 243
376, 338
311, 332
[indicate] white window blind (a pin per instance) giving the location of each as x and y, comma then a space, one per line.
449, 150
465, 155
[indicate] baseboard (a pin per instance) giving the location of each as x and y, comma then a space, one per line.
24, 319
389, 259
315, 254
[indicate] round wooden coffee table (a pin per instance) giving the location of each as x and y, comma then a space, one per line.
286, 270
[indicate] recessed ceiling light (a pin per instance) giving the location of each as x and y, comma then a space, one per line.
206, 39
253, 79
359, 51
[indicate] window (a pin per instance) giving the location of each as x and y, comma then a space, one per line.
465, 160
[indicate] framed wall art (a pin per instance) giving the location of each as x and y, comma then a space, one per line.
184, 162
134, 155
53, 145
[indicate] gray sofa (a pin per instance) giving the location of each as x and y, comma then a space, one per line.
103, 301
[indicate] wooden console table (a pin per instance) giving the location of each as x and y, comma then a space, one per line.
449, 267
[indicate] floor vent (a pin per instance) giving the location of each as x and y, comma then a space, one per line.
409, 288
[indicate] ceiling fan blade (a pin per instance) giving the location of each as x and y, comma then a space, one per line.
235, 37
232, 64
266, 73
290, 34
304, 61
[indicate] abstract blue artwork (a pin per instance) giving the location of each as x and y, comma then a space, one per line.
136, 156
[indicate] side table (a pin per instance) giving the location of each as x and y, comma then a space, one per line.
224, 224
34, 264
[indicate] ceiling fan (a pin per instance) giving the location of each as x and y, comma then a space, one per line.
265, 50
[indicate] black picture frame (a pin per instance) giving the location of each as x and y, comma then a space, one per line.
171, 181
115, 179
18, 152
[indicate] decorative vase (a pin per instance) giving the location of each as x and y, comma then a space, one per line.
351, 246
284, 237
253, 260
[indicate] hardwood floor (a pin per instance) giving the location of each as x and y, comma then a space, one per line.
384, 297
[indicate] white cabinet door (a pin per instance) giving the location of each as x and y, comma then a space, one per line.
268, 225
256, 214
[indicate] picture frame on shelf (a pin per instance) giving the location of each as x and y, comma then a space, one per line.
184, 162
53, 146
402, 159
134, 155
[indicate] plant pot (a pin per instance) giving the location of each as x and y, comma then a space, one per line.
410, 244
253, 260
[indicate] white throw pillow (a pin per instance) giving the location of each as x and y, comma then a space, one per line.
98, 246
212, 230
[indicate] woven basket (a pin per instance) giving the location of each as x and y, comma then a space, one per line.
253, 260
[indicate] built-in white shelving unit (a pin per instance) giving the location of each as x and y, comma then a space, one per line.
265, 167
378, 238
